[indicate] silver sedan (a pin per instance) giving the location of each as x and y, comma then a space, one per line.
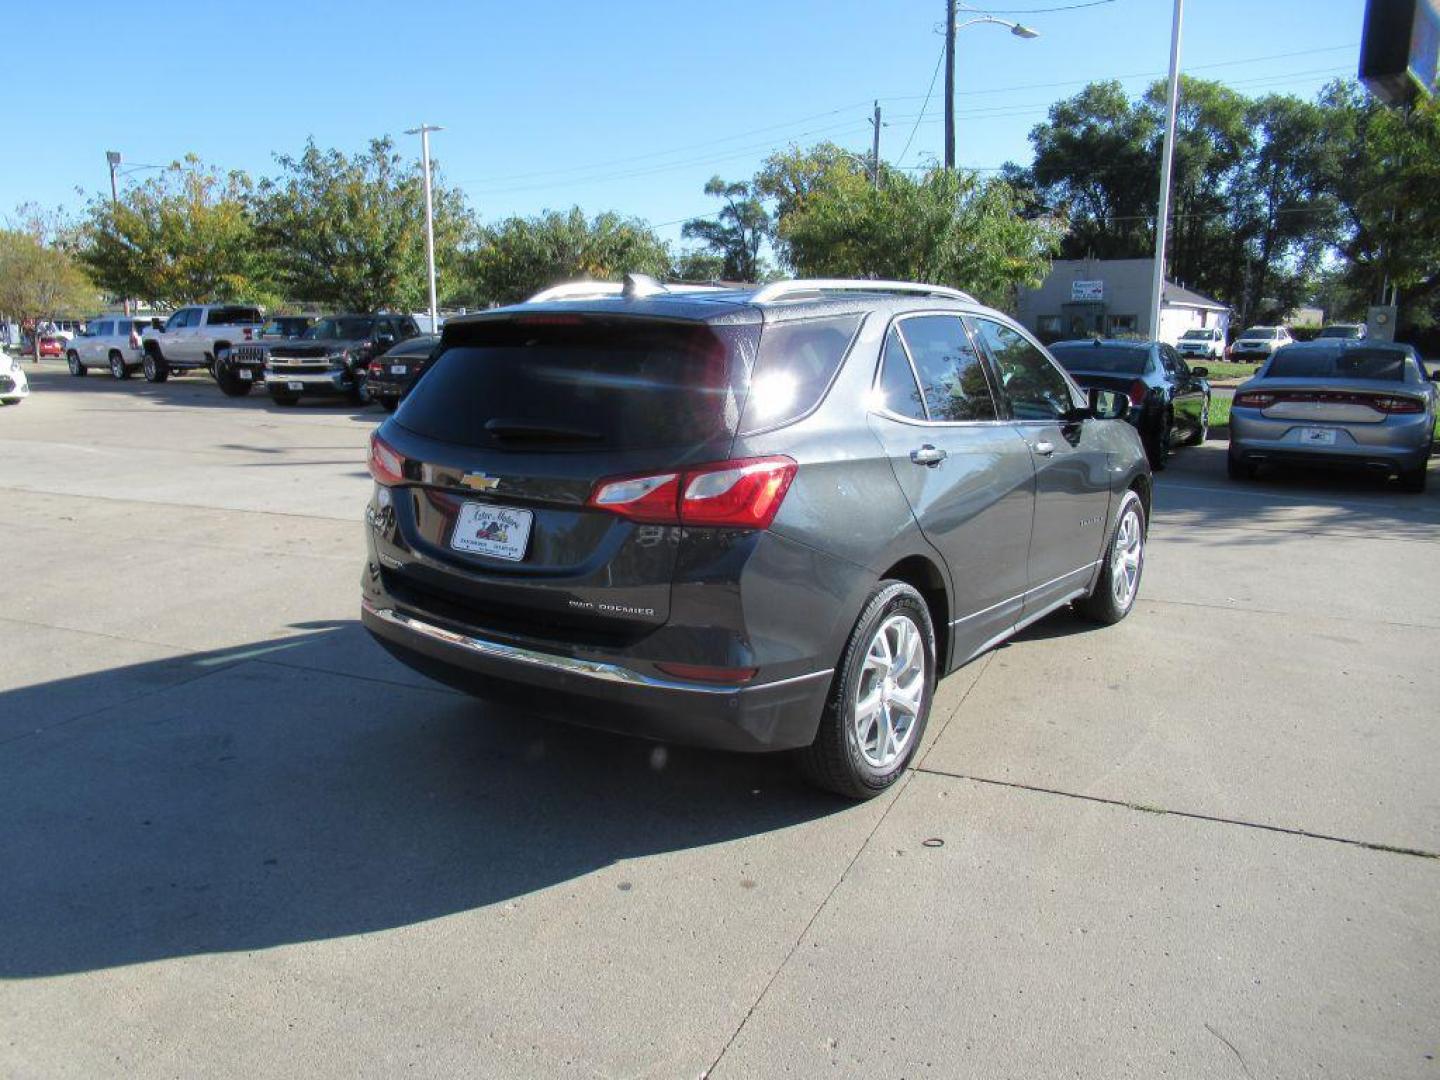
1340, 404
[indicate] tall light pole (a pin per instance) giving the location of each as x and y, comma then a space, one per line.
1167, 158
424, 131
951, 29
112, 157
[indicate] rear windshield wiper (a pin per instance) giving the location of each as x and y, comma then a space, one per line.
537, 432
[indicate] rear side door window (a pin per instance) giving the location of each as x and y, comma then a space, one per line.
1033, 385
951, 373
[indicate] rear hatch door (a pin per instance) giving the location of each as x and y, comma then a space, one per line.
506, 434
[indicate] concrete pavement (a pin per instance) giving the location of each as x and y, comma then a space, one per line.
237, 839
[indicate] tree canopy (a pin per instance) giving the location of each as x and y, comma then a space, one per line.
38, 281
521, 255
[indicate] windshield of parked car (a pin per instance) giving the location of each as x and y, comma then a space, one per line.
348, 328
1102, 359
1296, 363
1264, 333
1197, 335
1340, 332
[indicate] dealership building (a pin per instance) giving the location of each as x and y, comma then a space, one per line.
1085, 297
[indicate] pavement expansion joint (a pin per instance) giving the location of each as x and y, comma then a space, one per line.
1391, 849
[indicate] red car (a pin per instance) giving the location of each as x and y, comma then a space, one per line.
52, 346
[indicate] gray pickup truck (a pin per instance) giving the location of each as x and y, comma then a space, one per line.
201, 337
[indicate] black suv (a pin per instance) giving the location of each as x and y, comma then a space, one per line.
756, 519
332, 356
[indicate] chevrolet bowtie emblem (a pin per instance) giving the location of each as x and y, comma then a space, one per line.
478, 481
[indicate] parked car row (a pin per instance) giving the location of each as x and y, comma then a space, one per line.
292, 356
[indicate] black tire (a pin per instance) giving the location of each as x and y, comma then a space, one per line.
118, 370
77, 369
1104, 604
1157, 445
231, 385
284, 397
837, 760
1413, 480
1239, 470
1203, 432
155, 368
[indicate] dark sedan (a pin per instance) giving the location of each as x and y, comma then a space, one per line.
391, 376
1169, 400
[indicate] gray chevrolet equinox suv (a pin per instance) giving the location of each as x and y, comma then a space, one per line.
766, 518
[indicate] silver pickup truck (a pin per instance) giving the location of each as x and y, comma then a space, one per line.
201, 337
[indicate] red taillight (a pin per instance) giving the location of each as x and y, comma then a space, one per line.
742, 494
1137, 392
375, 368
387, 465
705, 673
1388, 403
1253, 399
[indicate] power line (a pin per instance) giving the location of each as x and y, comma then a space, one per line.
913, 130
1041, 11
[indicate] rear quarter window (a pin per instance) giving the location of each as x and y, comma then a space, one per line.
794, 367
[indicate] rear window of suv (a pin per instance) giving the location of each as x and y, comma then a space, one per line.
1102, 359
570, 383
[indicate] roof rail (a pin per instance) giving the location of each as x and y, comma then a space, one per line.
635, 285
802, 286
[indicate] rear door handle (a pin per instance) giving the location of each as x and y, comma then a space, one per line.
927, 455
1044, 448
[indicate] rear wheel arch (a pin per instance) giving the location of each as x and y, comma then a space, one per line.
921, 574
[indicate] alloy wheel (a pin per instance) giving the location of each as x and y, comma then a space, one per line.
889, 692
1126, 558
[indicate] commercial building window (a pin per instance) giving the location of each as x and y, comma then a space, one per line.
1048, 327
1120, 324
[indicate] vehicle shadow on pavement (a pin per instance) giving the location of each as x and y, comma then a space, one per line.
305, 788
1195, 493
195, 390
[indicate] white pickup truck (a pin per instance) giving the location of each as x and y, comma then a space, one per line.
200, 337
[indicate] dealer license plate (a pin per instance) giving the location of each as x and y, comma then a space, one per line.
398, 369
497, 531
296, 386
245, 374
1317, 436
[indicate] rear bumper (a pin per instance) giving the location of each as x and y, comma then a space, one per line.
604, 693
1398, 445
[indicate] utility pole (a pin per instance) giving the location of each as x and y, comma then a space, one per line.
1167, 157
875, 149
113, 158
949, 85
424, 131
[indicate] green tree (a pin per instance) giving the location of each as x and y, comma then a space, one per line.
520, 256
184, 236
789, 177
737, 232
38, 282
947, 228
702, 265
1382, 165
349, 230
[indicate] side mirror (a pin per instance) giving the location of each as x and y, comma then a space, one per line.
1108, 404
1200, 372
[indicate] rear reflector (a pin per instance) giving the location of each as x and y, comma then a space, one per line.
740, 494
387, 465
704, 673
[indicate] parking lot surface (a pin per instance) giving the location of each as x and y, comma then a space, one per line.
236, 839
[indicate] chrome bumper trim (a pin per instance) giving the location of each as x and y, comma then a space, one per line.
569, 665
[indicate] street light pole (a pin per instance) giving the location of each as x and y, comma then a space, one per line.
951, 29
1167, 157
112, 157
424, 131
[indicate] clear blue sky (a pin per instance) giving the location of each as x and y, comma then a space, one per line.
628, 106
